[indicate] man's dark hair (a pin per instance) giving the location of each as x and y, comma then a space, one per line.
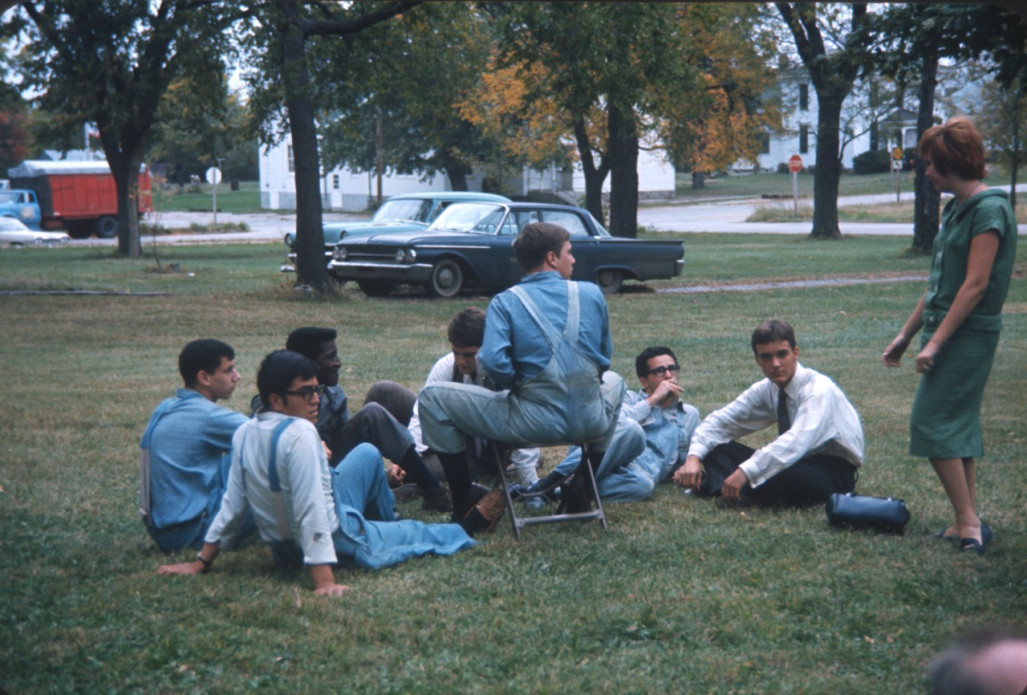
536, 240
642, 361
771, 331
203, 355
467, 329
308, 340
954, 671
278, 370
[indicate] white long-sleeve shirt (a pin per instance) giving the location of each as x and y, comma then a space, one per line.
823, 421
306, 488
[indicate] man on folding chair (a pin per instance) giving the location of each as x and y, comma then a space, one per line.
547, 345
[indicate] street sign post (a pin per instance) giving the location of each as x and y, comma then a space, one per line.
795, 166
213, 176
896, 167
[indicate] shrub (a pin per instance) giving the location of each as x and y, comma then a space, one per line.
871, 162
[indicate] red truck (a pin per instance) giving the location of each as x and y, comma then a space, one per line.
79, 197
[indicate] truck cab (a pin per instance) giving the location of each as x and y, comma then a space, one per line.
22, 205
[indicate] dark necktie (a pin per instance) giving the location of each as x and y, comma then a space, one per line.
784, 421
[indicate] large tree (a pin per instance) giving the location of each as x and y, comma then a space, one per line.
191, 136
608, 67
1002, 116
110, 63
908, 41
832, 57
282, 84
392, 92
729, 118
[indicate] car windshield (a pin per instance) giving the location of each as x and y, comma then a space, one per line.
601, 228
404, 210
463, 216
10, 224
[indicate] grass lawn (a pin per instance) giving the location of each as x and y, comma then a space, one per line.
676, 597
200, 197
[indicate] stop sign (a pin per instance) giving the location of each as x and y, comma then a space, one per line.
795, 164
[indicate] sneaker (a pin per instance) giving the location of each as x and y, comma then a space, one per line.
436, 499
484, 516
535, 503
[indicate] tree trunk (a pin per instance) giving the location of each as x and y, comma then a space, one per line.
457, 174
828, 166
623, 138
926, 199
698, 179
310, 261
594, 176
125, 170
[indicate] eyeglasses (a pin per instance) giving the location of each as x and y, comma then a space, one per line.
307, 394
662, 370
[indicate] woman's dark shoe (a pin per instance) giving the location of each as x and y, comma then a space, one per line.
975, 545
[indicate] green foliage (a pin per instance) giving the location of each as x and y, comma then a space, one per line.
675, 597
405, 77
872, 162
193, 134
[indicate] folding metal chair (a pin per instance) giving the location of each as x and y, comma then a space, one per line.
584, 468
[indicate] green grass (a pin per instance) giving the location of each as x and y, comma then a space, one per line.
200, 197
780, 185
774, 184
675, 597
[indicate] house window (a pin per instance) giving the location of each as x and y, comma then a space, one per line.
804, 97
335, 182
803, 139
292, 161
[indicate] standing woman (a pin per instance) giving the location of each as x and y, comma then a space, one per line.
960, 314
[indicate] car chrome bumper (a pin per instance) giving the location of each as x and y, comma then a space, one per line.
415, 273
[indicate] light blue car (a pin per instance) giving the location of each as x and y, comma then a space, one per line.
401, 213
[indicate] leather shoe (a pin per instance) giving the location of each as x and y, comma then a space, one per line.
484, 516
975, 545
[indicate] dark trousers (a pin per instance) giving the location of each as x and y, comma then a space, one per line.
810, 480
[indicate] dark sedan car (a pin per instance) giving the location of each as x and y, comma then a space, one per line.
452, 255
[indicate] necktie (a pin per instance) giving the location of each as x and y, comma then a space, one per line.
784, 420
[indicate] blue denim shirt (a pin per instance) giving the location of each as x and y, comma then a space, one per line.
187, 456
514, 349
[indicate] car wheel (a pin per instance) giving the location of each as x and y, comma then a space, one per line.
376, 288
106, 227
610, 280
447, 279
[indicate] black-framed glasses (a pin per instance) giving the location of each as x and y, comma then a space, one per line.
307, 394
663, 369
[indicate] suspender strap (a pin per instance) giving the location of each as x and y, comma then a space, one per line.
570, 331
284, 524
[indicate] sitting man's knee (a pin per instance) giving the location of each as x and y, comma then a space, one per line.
397, 399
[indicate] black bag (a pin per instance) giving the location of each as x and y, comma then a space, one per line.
885, 514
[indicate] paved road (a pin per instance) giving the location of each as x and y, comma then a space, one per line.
694, 217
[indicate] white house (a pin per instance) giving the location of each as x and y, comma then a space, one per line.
349, 191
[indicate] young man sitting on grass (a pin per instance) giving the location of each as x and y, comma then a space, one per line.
312, 514
186, 448
373, 423
818, 449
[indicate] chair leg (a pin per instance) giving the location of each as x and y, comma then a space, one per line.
515, 522
593, 487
